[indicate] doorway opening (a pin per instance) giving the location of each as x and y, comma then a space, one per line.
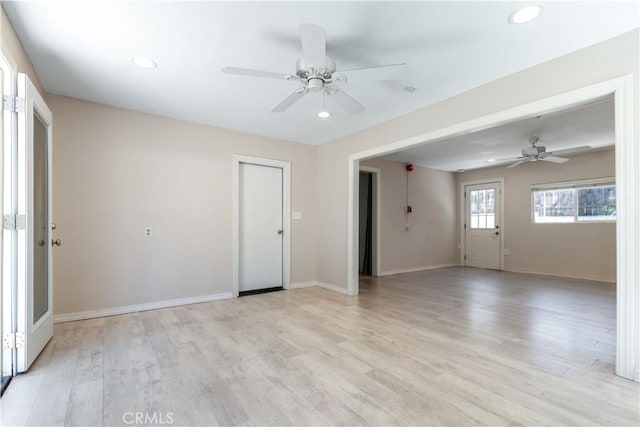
627, 243
369, 215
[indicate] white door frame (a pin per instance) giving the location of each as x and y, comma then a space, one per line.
8, 279
463, 217
627, 187
286, 215
375, 232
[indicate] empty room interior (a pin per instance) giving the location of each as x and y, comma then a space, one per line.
320, 213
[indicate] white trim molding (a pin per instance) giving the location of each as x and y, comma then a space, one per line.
302, 285
602, 279
627, 188
92, 314
286, 216
414, 269
328, 286
332, 287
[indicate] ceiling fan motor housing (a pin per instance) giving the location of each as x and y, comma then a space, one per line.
307, 72
533, 151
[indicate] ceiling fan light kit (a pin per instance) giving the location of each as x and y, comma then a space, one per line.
317, 73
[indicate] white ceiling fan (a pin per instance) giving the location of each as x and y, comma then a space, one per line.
538, 152
317, 73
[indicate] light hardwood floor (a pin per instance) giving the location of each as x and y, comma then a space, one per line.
448, 347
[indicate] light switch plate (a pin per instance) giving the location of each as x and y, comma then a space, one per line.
296, 215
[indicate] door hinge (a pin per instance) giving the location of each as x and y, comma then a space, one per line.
13, 103
13, 340
465, 226
14, 222
465, 257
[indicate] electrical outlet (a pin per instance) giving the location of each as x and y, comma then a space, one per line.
296, 215
147, 232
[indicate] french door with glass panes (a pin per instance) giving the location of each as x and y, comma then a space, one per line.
482, 225
34, 306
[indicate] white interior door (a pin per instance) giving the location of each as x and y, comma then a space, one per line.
35, 278
260, 227
482, 225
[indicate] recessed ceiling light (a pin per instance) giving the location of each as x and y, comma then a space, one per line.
491, 160
524, 15
410, 89
324, 114
143, 62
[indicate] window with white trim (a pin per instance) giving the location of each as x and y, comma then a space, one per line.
590, 200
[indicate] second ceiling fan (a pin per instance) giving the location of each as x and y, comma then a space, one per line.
537, 153
317, 73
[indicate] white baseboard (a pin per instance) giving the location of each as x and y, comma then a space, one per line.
323, 285
414, 269
82, 315
301, 285
566, 276
332, 287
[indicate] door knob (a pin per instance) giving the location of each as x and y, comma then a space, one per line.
497, 232
56, 242
280, 231
54, 226
41, 242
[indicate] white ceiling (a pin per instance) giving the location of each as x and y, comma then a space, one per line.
83, 49
588, 125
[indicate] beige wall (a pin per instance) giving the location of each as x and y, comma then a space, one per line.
574, 250
601, 62
431, 238
118, 171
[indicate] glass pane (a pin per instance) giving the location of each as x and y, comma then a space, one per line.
41, 244
554, 205
491, 223
474, 221
597, 204
482, 223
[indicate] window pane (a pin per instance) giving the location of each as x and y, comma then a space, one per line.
554, 206
474, 221
491, 221
482, 223
597, 204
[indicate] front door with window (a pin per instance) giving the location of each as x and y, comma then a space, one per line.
482, 225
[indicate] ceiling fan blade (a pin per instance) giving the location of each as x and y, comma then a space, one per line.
346, 102
290, 99
371, 74
513, 165
259, 73
554, 159
511, 158
568, 151
314, 45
